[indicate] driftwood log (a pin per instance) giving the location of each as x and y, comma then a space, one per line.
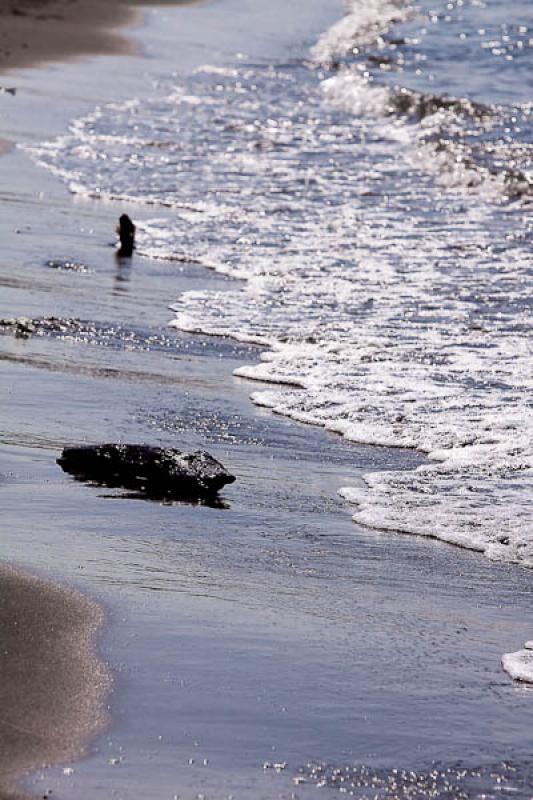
154, 471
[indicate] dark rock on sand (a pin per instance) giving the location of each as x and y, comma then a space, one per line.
155, 471
126, 233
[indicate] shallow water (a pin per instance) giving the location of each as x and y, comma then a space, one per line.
384, 236
270, 646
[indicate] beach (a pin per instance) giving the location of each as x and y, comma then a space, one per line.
52, 682
40, 31
261, 646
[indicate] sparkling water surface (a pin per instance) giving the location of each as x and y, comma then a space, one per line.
374, 196
376, 221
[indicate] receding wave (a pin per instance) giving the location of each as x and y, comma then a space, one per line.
384, 267
446, 134
464, 142
365, 23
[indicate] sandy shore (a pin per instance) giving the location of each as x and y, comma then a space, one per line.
36, 31
52, 683
272, 631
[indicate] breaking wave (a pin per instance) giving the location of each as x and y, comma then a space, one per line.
382, 233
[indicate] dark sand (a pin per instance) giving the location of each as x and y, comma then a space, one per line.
52, 683
36, 31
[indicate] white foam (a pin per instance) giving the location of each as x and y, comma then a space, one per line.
212, 69
519, 665
354, 93
363, 25
397, 313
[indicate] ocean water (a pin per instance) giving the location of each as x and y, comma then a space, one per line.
372, 194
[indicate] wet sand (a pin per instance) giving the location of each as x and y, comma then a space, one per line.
268, 631
33, 32
255, 633
53, 683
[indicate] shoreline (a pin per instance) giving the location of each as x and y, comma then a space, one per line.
37, 32
53, 682
214, 614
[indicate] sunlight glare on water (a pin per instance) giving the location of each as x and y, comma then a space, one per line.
380, 221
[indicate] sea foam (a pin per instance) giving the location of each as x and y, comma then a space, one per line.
393, 299
519, 665
363, 25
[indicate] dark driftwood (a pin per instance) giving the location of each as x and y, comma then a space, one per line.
155, 471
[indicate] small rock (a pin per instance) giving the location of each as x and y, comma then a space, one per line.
126, 234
